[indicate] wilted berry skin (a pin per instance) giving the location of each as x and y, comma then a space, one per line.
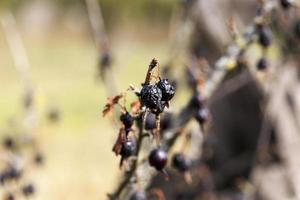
180, 163
168, 90
285, 4
138, 196
264, 37
28, 190
151, 97
262, 64
297, 29
202, 115
128, 149
127, 120
158, 158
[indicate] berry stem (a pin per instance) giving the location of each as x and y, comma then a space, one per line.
152, 65
157, 131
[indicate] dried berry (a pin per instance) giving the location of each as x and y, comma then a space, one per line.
38, 158
181, 163
264, 37
127, 120
128, 149
151, 97
28, 190
105, 60
9, 142
285, 4
168, 90
262, 64
202, 115
158, 158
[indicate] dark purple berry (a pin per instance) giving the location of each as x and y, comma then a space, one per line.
285, 4
9, 142
150, 122
138, 196
168, 90
10, 174
165, 120
39, 158
127, 120
28, 190
14, 174
181, 163
262, 64
264, 37
128, 149
158, 158
202, 115
54, 115
105, 60
151, 97
297, 29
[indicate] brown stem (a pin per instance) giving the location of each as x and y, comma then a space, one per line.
152, 65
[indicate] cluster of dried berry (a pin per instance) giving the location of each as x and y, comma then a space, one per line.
155, 97
13, 169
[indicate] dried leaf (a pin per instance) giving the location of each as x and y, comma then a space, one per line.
135, 107
120, 141
111, 101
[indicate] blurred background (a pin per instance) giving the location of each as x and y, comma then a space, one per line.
58, 65
63, 58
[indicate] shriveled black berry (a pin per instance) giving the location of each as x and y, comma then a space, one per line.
8, 142
158, 158
28, 190
151, 97
168, 90
128, 149
139, 195
285, 4
127, 120
150, 122
202, 115
262, 64
297, 29
264, 37
39, 158
180, 163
